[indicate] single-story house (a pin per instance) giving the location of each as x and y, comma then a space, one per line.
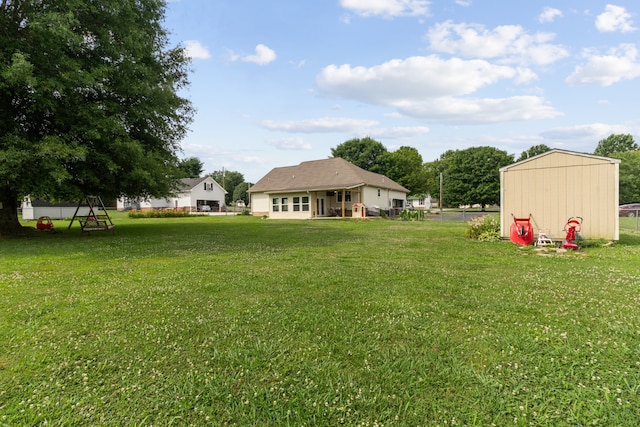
34, 209
557, 185
420, 201
195, 194
324, 188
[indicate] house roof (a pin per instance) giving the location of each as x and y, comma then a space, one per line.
557, 151
318, 175
187, 184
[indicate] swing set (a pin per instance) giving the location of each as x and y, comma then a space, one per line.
97, 219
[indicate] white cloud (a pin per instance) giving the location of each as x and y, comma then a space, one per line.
480, 111
431, 88
614, 19
549, 14
387, 8
290, 144
594, 132
397, 132
620, 63
416, 77
195, 50
463, 3
325, 124
507, 43
263, 55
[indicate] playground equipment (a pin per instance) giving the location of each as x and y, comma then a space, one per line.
544, 239
97, 219
521, 231
572, 228
44, 223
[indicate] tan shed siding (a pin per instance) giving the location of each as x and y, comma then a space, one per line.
555, 187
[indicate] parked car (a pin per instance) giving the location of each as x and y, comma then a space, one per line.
631, 209
205, 208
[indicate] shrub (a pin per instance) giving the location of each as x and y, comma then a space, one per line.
167, 213
412, 215
485, 228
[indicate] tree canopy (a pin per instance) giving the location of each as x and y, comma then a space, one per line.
89, 101
534, 151
405, 167
472, 176
228, 180
615, 143
190, 168
364, 153
629, 176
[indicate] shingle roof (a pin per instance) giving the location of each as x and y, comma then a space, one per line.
190, 183
328, 174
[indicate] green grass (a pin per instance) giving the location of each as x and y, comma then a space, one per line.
242, 321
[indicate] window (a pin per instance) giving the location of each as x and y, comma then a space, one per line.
275, 205
305, 203
284, 204
347, 196
378, 192
296, 204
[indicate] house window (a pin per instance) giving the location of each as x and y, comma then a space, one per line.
275, 205
378, 192
347, 196
305, 203
296, 204
285, 204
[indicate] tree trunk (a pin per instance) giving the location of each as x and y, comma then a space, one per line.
9, 223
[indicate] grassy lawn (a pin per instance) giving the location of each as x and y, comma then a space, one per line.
242, 321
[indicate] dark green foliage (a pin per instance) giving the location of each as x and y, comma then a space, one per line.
159, 214
629, 176
88, 101
472, 176
405, 167
534, 151
240, 193
365, 153
191, 167
228, 180
615, 143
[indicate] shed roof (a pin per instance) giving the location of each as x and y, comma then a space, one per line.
556, 151
317, 175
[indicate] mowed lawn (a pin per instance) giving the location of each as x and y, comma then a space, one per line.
242, 321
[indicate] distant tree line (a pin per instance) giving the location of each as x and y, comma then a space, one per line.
470, 176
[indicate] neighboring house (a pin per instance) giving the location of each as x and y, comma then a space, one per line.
420, 201
557, 185
324, 188
34, 209
195, 194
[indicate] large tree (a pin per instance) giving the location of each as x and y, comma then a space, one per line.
405, 167
615, 143
629, 176
191, 167
228, 180
534, 151
89, 101
365, 153
472, 176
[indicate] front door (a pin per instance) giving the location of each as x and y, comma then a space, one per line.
320, 206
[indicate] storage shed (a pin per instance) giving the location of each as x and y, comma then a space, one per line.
557, 185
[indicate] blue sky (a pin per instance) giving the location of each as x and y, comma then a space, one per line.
279, 82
